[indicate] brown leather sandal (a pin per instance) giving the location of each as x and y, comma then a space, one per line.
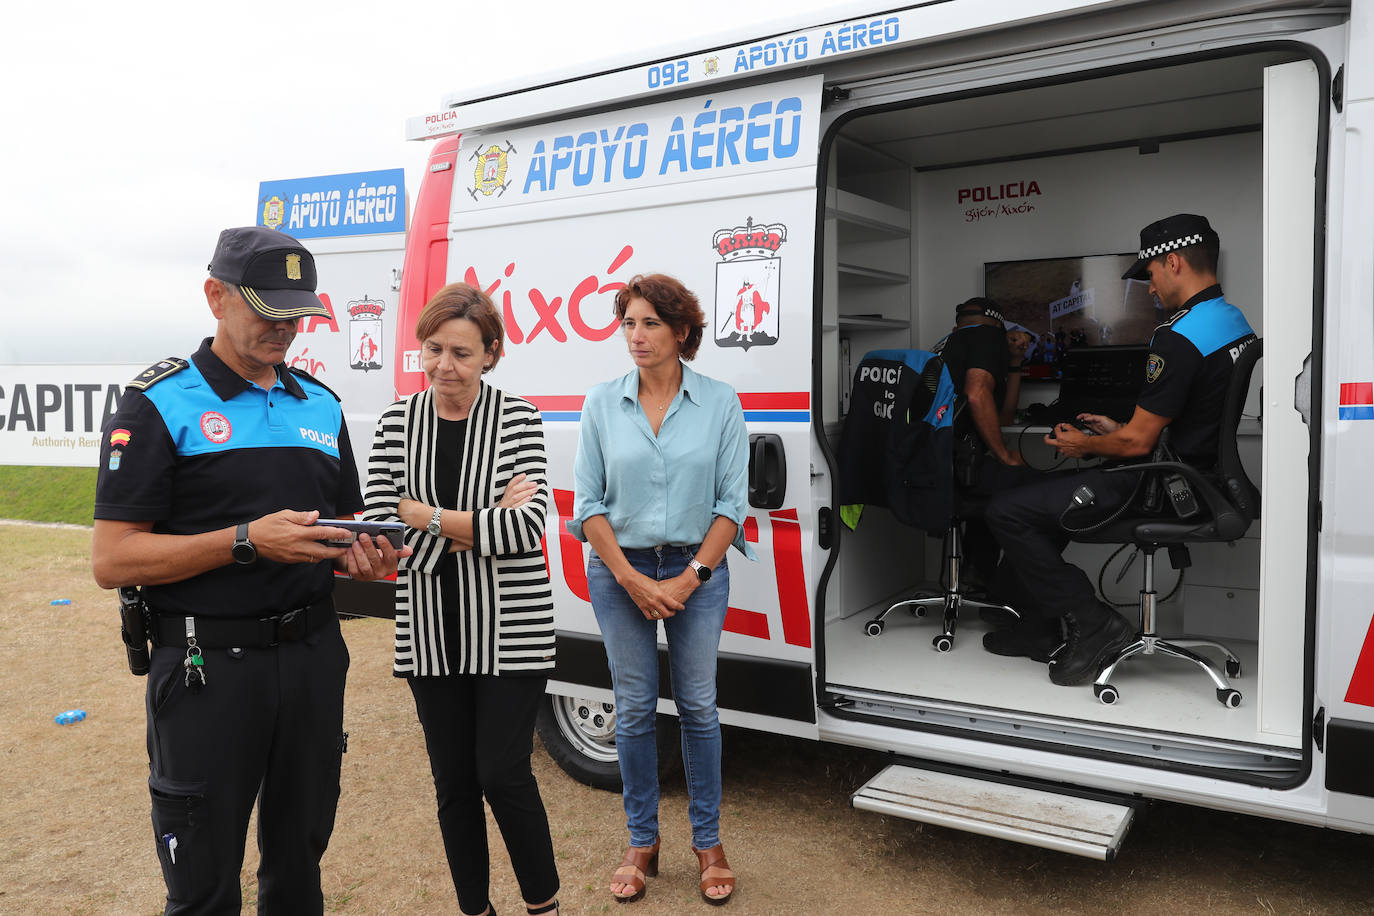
644, 862
713, 859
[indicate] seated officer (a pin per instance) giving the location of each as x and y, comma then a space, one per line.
1186, 376
984, 363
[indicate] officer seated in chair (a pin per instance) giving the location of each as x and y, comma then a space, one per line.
984, 363
1189, 366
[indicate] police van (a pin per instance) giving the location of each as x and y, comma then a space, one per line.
832, 189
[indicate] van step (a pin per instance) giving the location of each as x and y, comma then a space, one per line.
1067, 823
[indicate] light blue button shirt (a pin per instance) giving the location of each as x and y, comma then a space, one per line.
664, 489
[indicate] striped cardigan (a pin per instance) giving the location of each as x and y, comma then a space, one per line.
505, 621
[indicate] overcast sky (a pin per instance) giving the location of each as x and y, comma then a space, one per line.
133, 132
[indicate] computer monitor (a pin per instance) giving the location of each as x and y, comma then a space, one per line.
1068, 303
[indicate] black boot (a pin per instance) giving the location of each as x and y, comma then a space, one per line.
1035, 639
1094, 636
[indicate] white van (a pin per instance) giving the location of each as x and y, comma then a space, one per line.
864, 175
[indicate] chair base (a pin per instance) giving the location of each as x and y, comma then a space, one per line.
1150, 644
950, 602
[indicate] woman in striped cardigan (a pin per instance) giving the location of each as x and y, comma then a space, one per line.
462, 465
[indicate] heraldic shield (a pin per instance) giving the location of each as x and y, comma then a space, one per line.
747, 302
365, 344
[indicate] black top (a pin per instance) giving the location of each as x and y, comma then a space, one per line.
448, 458
202, 449
976, 346
1188, 371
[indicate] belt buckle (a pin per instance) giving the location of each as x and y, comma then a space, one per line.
291, 625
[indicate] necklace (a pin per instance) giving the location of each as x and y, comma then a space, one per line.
661, 407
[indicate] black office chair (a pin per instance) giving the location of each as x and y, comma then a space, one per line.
1226, 502
953, 597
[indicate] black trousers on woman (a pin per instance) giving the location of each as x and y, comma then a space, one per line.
479, 730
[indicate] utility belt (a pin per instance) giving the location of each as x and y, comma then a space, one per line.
168, 629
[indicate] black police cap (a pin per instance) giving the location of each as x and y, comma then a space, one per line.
273, 270
1182, 230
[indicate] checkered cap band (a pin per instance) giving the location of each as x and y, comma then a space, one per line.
1155, 251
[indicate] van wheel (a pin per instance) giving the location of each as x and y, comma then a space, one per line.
579, 735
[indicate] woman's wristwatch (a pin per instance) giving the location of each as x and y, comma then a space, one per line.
702, 570
433, 526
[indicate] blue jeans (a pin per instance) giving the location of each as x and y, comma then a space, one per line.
632, 650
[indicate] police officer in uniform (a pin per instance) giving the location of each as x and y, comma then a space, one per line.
211, 473
985, 365
1189, 367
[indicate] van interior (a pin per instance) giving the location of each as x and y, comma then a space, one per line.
927, 199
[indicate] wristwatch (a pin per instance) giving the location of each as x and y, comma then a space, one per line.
243, 551
433, 526
702, 570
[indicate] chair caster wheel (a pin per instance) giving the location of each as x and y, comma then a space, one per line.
1228, 697
1106, 694
917, 611
874, 628
1232, 667
943, 642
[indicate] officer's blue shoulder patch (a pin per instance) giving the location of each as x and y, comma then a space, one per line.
163, 368
1211, 325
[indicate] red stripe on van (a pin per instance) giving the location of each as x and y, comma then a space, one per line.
746, 623
1361, 689
569, 547
775, 400
1357, 393
787, 561
556, 401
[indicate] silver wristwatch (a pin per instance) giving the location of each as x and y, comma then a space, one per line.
433, 526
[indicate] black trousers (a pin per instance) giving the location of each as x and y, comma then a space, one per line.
980, 545
1027, 523
266, 727
479, 731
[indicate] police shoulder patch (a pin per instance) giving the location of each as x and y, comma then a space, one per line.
1153, 367
157, 372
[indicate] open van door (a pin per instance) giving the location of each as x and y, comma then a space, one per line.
719, 190
1344, 719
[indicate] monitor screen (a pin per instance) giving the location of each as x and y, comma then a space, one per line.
1066, 303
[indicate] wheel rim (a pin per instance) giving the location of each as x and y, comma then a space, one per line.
589, 725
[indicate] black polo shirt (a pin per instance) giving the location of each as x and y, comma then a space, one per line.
204, 449
1189, 369
976, 346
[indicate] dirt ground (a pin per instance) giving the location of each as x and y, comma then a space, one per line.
75, 835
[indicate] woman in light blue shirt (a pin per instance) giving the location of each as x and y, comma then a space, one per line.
661, 494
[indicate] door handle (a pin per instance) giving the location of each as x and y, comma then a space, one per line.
767, 471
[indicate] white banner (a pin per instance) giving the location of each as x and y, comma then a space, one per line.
1071, 303
52, 415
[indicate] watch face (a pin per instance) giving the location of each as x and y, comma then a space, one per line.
244, 552
703, 571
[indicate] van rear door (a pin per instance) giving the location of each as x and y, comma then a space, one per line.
719, 190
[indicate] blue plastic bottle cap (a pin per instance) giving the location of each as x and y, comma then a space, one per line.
69, 716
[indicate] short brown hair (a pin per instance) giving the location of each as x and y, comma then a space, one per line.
673, 302
458, 300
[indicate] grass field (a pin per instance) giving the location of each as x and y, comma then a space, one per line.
76, 836
42, 494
